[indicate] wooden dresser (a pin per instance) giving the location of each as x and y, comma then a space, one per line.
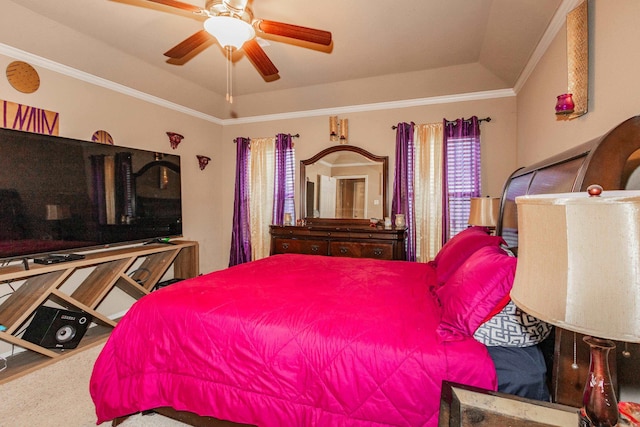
343, 241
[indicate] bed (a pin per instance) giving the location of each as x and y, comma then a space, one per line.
310, 340
612, 161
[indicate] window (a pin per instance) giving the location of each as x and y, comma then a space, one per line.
463, 179
284, 192
289, 183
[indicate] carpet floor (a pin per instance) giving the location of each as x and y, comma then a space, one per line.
58, 396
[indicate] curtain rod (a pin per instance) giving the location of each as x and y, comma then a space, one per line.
486, 119
297, 135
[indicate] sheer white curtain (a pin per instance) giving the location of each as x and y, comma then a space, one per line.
428, 170
262, 182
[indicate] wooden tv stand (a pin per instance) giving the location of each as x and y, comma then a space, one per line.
82, 285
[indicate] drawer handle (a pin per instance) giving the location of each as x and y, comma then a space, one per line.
315, 248
285, 246
343, 250
378, 251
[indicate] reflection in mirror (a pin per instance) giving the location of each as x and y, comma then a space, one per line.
158, 179
344, 182
158, 192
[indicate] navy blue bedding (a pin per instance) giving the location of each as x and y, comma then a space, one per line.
522, 371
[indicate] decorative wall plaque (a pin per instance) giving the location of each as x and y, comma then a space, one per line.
174, 139
578, 58
102, 137
203, 161
23, 77
31, 119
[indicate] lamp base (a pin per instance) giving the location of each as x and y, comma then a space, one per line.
599, 402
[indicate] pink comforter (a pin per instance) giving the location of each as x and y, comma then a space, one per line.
290, 340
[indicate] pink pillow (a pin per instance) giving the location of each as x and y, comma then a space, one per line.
473, 291
460, 247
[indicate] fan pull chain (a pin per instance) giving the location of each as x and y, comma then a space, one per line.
229, 76
574, 365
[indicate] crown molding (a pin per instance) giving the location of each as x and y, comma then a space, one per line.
116, 87
99, 81
418, 102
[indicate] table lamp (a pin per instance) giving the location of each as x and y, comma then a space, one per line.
484, 211
579, 269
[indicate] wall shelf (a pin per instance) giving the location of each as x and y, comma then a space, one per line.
82, 285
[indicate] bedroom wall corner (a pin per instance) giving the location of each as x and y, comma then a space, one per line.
132, 122
613, 82
372, 130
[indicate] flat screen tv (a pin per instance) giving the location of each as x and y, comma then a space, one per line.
60, 194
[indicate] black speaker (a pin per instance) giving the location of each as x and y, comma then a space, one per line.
57, 328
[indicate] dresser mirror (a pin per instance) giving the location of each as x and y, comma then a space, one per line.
343, 182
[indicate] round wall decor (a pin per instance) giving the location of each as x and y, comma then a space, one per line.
23, 77
102, 136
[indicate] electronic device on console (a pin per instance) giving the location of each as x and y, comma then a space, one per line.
58, 195
56, 258
57, 328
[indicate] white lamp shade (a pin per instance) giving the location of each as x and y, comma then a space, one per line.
484, 211
579, 262
230, 32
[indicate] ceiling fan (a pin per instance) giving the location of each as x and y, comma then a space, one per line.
232, 24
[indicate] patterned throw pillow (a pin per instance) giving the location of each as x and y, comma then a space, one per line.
512, 327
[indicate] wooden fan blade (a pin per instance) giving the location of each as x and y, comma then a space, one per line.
178, 5
258, 56
189, 44
295, 32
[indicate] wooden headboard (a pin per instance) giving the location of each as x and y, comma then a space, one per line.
611, 161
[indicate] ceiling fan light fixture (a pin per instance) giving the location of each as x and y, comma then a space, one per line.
237, 6
230, 32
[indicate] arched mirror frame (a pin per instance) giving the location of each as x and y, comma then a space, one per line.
169, 166
310, 220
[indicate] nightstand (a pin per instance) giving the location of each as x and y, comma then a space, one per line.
462, 405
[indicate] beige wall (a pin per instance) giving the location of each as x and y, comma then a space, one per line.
523, 130
614, 97
85, 108
372, 131
614, 85
520, 133
208, 195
